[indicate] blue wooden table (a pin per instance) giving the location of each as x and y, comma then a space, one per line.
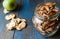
26, 12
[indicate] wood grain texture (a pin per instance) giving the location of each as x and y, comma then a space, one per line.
27, 13
4, 34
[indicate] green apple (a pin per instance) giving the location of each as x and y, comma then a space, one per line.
9, 4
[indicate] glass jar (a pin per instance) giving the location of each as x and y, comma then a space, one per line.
39, 23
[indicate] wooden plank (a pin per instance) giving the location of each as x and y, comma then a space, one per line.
4, 34
27, 13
